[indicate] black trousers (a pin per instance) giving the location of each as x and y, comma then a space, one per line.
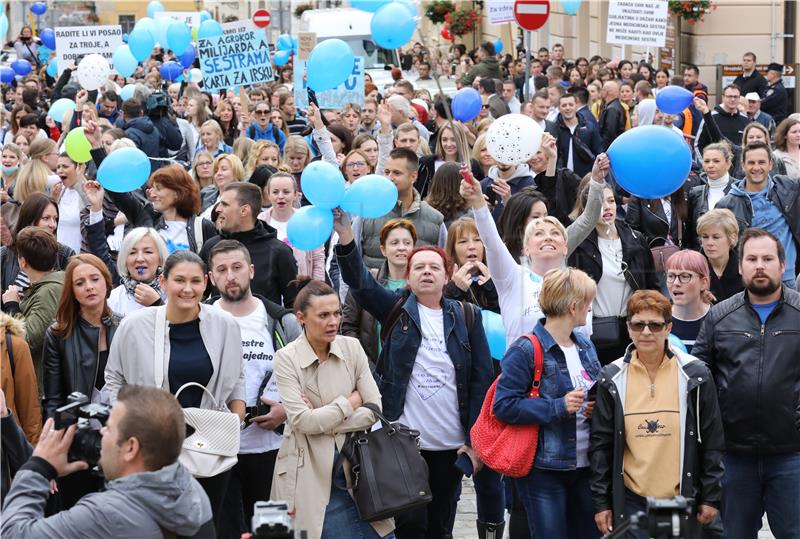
251, 481
216, 487
434, 521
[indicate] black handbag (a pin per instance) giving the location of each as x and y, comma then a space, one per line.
388, 473
608, 331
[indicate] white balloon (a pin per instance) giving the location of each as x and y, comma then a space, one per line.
195, 75
513, 139
93, 72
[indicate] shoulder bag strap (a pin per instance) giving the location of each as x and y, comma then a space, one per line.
538, 365
158, 345
10, 350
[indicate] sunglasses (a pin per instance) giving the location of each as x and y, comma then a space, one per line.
654, 327
485, 106
262, 112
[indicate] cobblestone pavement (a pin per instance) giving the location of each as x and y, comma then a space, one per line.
468, 513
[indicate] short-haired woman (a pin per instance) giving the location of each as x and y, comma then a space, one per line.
183, 341
323, 379
555, 492
227, 169
688, 282
656, 426
717, 159
718, 231
202, 169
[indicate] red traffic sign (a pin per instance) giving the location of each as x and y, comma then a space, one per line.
531, 14
261, 18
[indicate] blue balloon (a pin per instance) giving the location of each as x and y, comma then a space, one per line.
284, 42
58, 108
323, 184
124, 61
179, 36
124, 170
466, 104
676, 342
48, 37
495, 333
281, 57
170, 71
162, 25
146, 23
309, 227
52, 68
673, 99
39, 8
370, 196
188, 56
329, 65
127, 91
294, 43
124, 38
6, 74
392, 26
209, 29
650, 161
21, 66
369, 5
205, 16
498, 46
154, 7
571, 7
141, 43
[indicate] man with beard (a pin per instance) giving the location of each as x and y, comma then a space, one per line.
768, 202
750, 343
266, 327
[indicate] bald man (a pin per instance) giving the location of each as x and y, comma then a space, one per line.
613, 117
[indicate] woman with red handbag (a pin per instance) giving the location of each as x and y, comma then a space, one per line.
555, 492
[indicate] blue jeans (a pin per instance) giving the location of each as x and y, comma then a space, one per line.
341, 516
558, 504
490, 496
753, 484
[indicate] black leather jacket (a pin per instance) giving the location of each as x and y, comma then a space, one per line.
756, 371
638, 262
70, 363
698, 205
703, 438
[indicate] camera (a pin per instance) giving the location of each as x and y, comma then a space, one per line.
670, 518
86, 443
157, 104
271, 520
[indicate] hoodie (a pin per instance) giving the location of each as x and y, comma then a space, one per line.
145, 135
522, 177
488, 68
139, 506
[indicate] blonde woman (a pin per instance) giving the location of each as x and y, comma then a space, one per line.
203, 169
211, 140
481, 154
262, 152
227, 169
36, 176
296, 155
196, 115
12, 162
242, 147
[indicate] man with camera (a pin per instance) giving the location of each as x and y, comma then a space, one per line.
149, 494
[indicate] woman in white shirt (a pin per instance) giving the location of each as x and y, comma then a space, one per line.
71, 201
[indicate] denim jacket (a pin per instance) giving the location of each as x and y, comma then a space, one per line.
469, 351
556, 449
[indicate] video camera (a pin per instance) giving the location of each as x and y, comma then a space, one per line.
271, 520
158, 104
86, 443
663, 519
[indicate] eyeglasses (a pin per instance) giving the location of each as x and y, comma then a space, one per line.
355, 164
201, 164
654, 327
262, 112
682, 277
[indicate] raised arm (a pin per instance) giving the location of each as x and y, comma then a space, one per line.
586, 221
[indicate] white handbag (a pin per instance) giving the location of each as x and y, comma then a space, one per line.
214, 445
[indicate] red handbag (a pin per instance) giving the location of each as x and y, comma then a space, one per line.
508, 449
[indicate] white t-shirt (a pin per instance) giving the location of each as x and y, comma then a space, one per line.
69, 219
175, 236
121, 302
280, 226
613, 289
258, 354
580, 378
431, 405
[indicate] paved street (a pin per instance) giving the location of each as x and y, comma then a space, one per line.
468, 513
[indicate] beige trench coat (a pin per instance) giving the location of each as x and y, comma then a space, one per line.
305, 460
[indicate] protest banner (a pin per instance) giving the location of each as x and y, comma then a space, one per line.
237, 27
350, 91
642, 22
75, 41
306, 41
191, 18
231, 60
501, 11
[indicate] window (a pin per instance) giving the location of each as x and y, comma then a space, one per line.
127, 22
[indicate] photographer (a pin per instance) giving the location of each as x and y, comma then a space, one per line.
170, 137
27, 46
149, 494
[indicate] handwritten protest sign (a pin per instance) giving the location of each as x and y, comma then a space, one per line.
350, 91
306, 41
239, 59
74, 41
637, 22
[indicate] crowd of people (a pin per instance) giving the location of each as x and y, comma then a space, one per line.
667, 325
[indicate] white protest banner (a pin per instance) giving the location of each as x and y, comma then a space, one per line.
306, 41
500, 11
232, 60
350, 91
191, 18
637, 22
74, 41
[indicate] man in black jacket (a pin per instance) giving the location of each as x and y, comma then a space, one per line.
613, 118
776, 99
751, 80
140, 130
275, 266
578, 142
750, 343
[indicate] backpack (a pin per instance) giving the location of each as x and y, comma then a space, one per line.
397, 310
